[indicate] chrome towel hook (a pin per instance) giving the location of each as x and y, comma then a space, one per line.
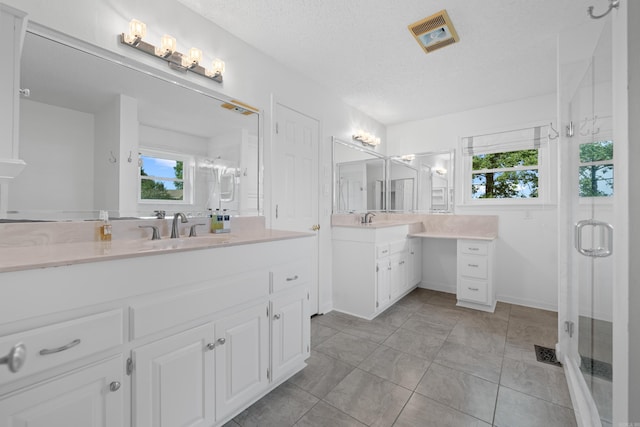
613, 4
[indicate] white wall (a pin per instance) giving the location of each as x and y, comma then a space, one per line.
57, 144
526, 250
250, 76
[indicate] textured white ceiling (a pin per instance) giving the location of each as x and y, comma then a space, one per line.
362, 51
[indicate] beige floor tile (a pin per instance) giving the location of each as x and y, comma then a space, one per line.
325, 415
283, 407
459, 390
515, 409
400, 368
347, 348
368, 398
321, 375
423, 412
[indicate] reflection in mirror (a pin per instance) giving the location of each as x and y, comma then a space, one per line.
102, 134
359, 178
429, 176
402, 179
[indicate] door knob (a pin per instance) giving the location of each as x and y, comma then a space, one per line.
315, 227
16, 357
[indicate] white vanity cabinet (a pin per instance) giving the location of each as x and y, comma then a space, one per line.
370, 268
185, 338
88, 397
414, 262
242, 358
290, 305
475, 287
173, 380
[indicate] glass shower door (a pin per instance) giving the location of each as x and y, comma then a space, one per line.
588, 173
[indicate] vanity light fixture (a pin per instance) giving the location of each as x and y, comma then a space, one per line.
366, 138
167, 51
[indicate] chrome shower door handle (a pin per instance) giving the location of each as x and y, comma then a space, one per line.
599, 251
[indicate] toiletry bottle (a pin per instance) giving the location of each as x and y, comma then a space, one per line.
226, 221
212, 221
105, 227
219, 221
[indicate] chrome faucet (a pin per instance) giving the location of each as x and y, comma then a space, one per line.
366, 219
175, 232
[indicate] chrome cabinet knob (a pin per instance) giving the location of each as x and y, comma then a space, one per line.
221, 341
114, 386
276, 316
16, 357
211, 346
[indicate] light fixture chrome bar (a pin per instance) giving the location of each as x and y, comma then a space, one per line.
174, 60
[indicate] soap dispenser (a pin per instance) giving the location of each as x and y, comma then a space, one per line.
105, 227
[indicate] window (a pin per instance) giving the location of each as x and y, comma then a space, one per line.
164, 177
596, 169
506, 165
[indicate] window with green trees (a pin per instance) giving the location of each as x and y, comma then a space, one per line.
505, 175
596, 169
161, 177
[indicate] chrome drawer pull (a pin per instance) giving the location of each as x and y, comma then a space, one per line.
114, 386
16, 357
276, 316
291, 279
473, 249
46, 351
473, 265
473, 289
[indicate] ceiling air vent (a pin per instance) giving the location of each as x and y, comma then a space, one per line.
434, 32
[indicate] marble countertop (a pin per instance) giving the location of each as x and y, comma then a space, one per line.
60, 254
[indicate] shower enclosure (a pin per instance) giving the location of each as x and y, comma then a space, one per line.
586, 218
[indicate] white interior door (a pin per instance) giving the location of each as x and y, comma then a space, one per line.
295, 180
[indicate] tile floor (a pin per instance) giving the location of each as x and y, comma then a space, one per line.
424, 362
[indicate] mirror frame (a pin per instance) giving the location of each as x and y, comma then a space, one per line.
151, 72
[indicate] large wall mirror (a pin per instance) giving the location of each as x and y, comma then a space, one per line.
427, 177
365, 180
359, 178
102, 132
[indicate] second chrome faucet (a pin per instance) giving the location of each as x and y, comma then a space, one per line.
175, 232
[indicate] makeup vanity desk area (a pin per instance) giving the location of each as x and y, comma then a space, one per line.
388, 253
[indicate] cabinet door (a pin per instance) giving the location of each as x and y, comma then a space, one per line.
290, 328
383, 290
82, 398
414, 263
174, 382
398, 274
242, 358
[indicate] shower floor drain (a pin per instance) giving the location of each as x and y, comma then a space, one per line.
546, 355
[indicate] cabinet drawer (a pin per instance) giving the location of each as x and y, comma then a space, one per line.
290, 275
150, 316
382, 250
472, 266
470, 247
64, 342
397, 247
472, 290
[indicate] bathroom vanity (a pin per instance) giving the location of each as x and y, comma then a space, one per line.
170, 332
376, 264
